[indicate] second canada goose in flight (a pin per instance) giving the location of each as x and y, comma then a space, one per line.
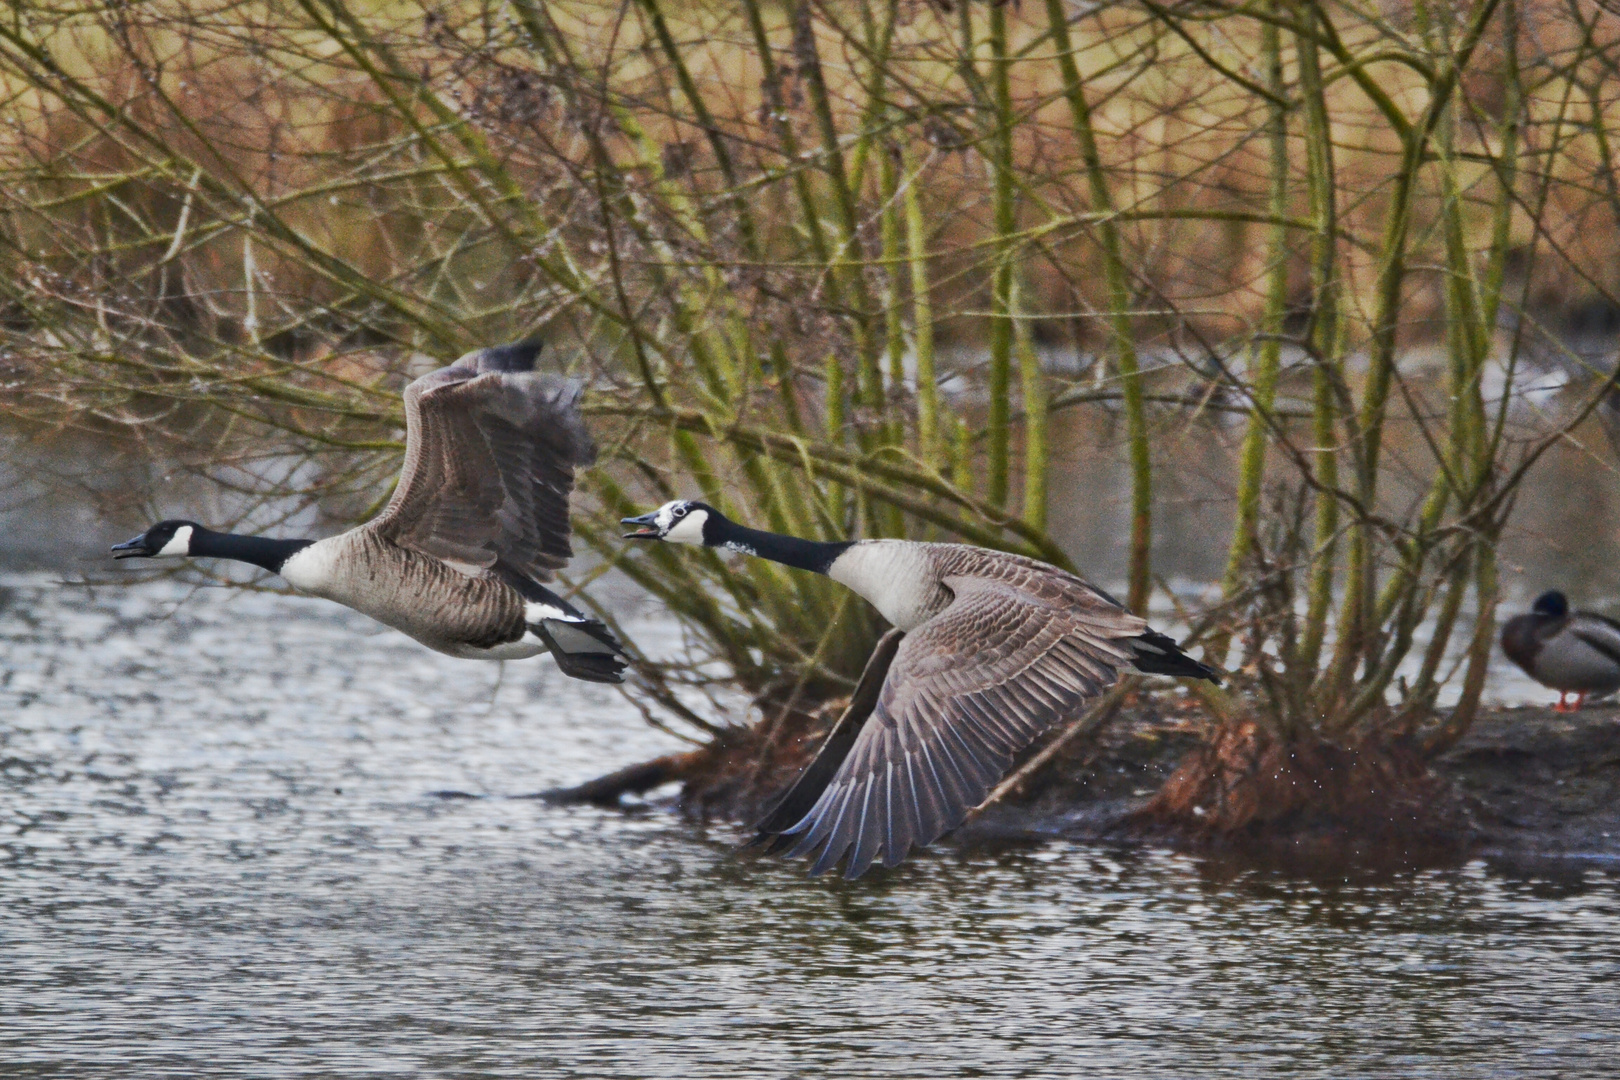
478, 520
1573, 652
988, 651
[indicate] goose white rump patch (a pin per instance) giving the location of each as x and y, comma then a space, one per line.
535, 610
564, 628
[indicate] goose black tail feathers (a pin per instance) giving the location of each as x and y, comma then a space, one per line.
592, 667
1159, 655
585, 649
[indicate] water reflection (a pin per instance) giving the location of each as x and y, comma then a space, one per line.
221, 858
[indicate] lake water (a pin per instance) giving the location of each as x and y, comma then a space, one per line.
220, 856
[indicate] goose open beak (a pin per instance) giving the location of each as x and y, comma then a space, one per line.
131, 549
648, 526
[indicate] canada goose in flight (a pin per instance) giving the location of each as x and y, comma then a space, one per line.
478, 520
988, 651
1573, 652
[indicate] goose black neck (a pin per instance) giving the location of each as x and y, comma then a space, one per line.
813, 555
258, 550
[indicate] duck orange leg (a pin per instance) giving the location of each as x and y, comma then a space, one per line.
1563, 702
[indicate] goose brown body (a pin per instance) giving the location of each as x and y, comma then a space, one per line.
477, 523
988, 651
418, 595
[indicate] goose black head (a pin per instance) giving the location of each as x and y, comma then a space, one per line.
165, 540
1552, 604
678, 522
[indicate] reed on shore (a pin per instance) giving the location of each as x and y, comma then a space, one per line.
836, 268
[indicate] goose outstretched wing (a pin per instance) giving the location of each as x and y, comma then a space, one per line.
490, 452
1008, 658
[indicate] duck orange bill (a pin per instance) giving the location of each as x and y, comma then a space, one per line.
131, 549
646, 527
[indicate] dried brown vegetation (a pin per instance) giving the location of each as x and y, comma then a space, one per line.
843, 268
1244, 784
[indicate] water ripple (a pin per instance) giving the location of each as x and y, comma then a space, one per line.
220, 856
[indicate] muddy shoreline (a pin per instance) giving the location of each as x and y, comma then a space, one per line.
1535, 785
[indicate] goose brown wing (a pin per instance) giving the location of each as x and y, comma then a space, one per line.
967, 690
490, 452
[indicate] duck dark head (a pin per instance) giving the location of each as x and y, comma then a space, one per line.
165, 540
1552, 604
679, 522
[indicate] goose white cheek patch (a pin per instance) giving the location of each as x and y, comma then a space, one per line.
178, 546
688, 530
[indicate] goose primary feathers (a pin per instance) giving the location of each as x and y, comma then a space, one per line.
478, 522
989, 650
489, 464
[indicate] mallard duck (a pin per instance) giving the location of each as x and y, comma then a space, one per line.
1573, 652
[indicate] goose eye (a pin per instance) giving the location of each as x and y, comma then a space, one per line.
679, 511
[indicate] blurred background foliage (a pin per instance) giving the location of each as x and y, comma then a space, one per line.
868, 268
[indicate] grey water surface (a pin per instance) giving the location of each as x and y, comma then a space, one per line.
221, 856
